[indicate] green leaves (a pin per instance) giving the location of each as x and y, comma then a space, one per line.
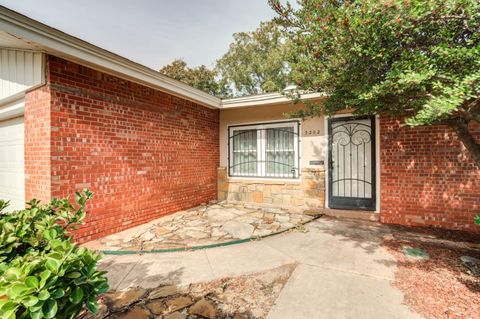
50, 234
92, 305
17, 290
52, 265
32, 282
44, 275
73, 274
3, 204
199, 77
12, 273
415, 58
256, 61
76, 295
30, 301
50, 308
58, 293
44, 295
42, 272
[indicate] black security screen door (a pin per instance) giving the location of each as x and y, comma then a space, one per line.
351, 157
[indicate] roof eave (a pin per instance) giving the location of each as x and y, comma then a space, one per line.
266, 99
66, 46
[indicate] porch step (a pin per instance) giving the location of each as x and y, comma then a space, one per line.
354, 214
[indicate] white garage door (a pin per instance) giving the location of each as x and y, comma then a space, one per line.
12, 173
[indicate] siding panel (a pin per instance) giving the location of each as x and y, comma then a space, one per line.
19, 71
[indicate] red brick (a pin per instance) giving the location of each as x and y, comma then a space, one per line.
143, 152
427, 177
37, 144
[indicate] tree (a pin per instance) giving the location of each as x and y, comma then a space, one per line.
413, 58
254, 63
200, 77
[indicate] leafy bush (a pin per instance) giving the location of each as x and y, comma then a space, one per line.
43, 273
477, 219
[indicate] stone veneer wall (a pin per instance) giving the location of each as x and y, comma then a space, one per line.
309, 192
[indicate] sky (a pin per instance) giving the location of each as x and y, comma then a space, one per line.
151, 32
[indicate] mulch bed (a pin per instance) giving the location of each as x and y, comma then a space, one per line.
438, 287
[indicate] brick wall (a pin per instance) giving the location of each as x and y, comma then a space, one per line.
144, 153
427, 177
37, 144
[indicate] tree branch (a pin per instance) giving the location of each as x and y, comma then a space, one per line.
471, 112
461, 127
472, 117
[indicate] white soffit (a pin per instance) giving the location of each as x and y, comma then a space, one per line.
265, 99
9, 41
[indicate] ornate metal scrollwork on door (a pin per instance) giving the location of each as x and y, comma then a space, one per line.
355, 133
351, 161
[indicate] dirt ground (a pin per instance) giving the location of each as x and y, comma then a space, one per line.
438, 287
245, 297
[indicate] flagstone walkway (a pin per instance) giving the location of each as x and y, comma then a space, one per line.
203, 225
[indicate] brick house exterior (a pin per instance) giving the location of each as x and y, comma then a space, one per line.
148, 146
425, 176
142, 152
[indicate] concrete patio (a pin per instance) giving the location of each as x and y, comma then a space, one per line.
342, 270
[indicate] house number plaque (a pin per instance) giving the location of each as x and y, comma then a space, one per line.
312, 132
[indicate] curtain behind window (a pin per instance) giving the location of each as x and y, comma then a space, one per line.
245, 161
280, 151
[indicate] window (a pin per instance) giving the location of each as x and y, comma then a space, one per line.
264, 150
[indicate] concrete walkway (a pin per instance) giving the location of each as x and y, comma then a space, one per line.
342, 272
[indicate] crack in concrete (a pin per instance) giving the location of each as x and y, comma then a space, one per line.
128, 273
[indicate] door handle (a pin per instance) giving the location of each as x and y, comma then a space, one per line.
330, 163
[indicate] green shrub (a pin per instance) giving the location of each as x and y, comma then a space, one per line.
43, 273
477, 219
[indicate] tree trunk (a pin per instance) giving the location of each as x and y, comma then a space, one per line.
461, 127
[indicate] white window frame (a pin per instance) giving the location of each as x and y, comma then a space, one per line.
261, 149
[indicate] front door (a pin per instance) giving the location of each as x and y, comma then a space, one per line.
351, 157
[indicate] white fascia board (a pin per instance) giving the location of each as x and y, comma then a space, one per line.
265, 99
63, 45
